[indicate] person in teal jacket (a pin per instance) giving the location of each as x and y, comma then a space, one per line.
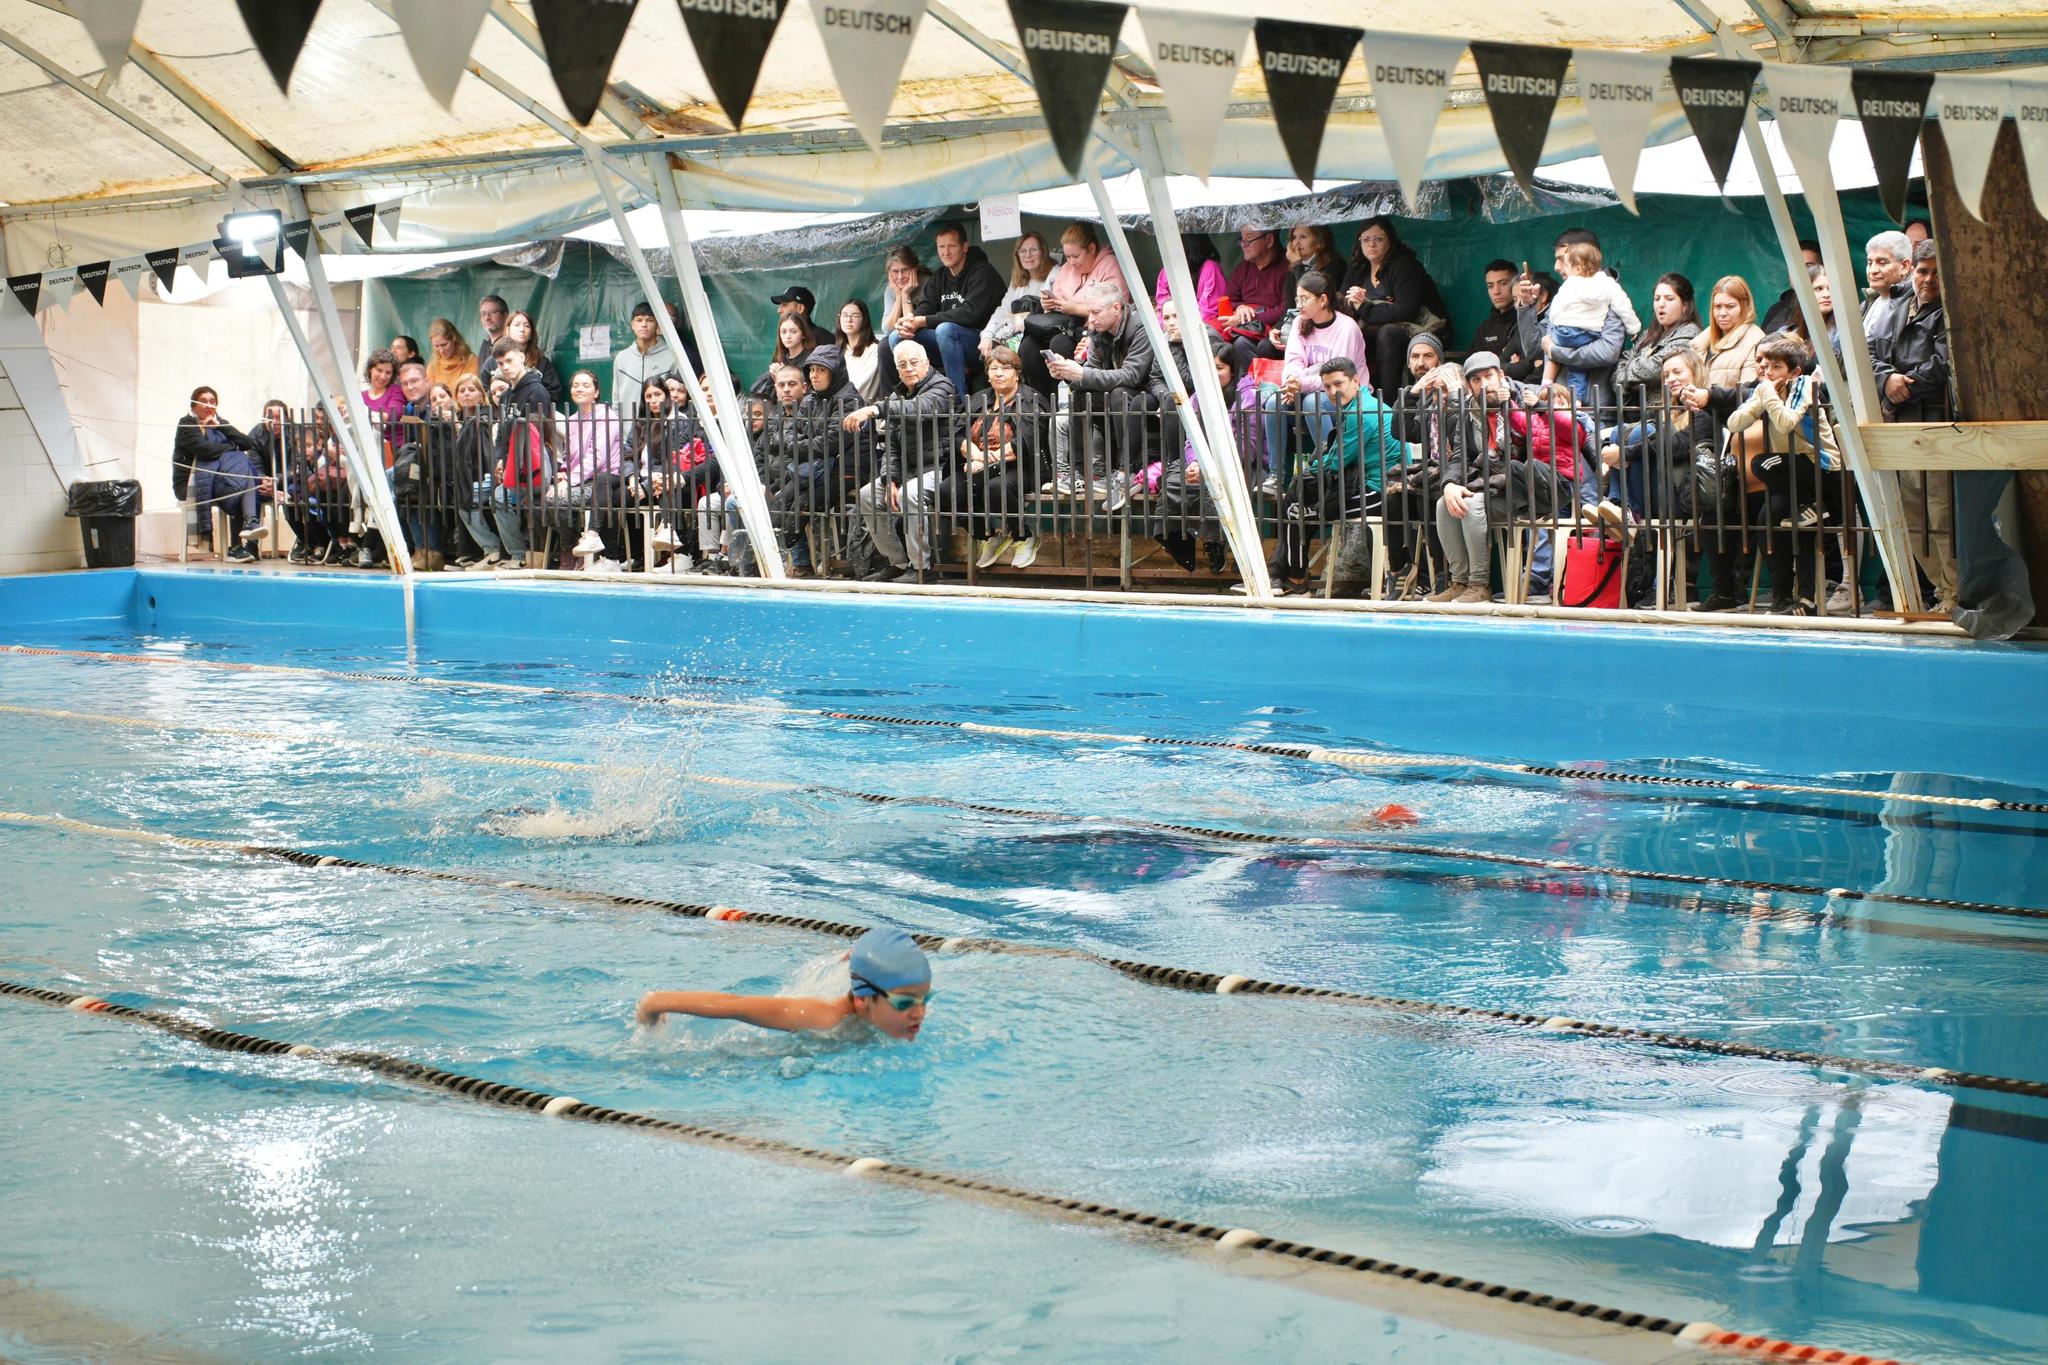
1342, 478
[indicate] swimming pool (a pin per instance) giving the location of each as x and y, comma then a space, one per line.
253, 1207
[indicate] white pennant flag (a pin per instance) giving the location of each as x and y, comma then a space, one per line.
1411, 76
129, 272
1196, 57
387, 218
335, 232
867, 42
439, 36
197, 256
58, 287
1621, 91
111, 26
1808, 101
1971, 110
2030, 113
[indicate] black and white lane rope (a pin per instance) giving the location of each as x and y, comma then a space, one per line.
1384, 815
1151, 974
1355, 759
1185, 1231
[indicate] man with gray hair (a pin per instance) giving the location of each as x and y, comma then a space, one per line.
1888, 266
1111, 391
1913, 385
919, 455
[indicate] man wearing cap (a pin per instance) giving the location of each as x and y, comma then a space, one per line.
800, 302
953, 306
646, 359
1518, 461
889, 984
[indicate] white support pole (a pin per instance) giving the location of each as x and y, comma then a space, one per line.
735, 460
1249, 553
1226, 482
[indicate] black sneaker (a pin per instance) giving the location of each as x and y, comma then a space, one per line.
240, 554
1216, 555
1792, 606
1720, 601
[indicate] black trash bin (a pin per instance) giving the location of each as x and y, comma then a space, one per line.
106, 512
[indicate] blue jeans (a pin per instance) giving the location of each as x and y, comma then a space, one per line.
228, 482
1578, 381
954, 349
501, 530
1277, 413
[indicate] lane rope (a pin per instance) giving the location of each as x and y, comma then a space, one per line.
1708, 1336
1385, 815
1151, 974
1357, 759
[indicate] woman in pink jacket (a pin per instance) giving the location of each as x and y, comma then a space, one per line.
1320, 332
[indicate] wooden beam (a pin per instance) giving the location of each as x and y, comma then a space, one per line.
1957, 445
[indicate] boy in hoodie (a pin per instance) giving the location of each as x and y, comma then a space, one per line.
1783, 441
953, 306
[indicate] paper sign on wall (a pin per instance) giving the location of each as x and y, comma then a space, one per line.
594, 342
1002, 218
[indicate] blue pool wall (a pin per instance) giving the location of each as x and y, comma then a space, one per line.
1533, 691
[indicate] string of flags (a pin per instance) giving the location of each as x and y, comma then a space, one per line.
35, 292
1071, 45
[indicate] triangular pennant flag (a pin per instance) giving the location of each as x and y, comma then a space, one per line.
129, 273
867, 42
731, 38
164, 265
93, 278
1972, 108
299, 236
1714, 93
2030, 116
1303, 65
1196, 57
197, 255
363, 218
27, 290
1411, 76
1521, 85
1892, 105
279, 28
111, 26
582, 38
387, 218
1808, 102
333, 230
58, 288
1621, 91
439, 36
1069, 45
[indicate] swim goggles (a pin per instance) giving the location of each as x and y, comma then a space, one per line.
903, 1002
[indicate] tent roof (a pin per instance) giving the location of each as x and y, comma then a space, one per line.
359, 124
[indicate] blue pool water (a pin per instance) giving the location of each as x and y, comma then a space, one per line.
257, 1208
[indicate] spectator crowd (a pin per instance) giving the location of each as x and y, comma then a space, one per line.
1659, 427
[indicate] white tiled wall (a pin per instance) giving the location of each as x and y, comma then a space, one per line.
35, 535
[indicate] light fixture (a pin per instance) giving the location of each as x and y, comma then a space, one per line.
252, 243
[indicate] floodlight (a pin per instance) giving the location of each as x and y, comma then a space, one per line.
252, 243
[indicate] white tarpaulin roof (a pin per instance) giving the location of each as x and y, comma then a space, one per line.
83, 184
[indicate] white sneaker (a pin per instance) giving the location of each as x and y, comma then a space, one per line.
1119, 491
604, 565
492, 559
1027, 553
252, 533
589, 543
1068, 486
664, 538
1842, 601
1097, 488
992, 550
1613, 516
1270, 487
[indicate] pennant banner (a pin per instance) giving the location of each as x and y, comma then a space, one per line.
279, 28
1522, 85
1892, 105
27, 291
1069, 45
867, 42
1714, 93
1196, 57
731, 38
58, 287
439, 36
164, 265
363, 218
1411, 76
582, 38
1971, 109
111, 26
333, 230
387, 218
129, 273
2030, 116
93, 279
1303, 65
299, 236
1621, 91
197, 255
1808, 101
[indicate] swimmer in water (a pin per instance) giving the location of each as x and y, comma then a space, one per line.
892, 984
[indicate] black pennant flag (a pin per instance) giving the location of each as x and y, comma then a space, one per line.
1892, 105
1715, 95
1069, 44
93, 278
28, 289
299, 236
582, 38
731, 38
164, 265
1303, 64
279, 28
1522, 84
363, 218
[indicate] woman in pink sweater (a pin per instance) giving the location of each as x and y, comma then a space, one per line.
1319, 333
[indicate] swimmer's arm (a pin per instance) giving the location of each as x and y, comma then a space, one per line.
789, 1013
